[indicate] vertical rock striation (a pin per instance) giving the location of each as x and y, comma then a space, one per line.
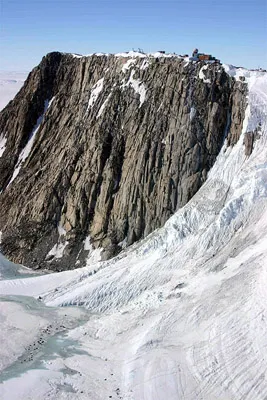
109, 148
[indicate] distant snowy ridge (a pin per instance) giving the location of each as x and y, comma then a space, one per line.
131, 54
10, 84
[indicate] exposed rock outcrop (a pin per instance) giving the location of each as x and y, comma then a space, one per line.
109, 147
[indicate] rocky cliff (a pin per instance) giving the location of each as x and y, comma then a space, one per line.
98, 151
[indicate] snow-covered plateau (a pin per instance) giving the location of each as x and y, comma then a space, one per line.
179, 315
10, 83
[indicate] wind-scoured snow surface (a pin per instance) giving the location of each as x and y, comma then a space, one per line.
10, 84
181, 315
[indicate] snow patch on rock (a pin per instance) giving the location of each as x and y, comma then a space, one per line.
3, 141
94, 255
144, 65
202, 76
123, 243
128, 64
103, 106
96, 90
61, 230
192, 113
27, 149
87, 244
138, 87
58, 250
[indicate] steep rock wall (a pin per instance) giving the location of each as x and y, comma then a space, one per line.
103, 149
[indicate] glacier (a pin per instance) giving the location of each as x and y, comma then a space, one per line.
179, 315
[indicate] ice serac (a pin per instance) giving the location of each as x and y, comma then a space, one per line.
119, 149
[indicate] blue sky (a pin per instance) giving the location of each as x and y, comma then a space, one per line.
234, 31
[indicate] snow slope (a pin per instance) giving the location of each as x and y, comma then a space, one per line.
10, 84
181, 315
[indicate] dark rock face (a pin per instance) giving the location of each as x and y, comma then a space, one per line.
238, 104
122, 145
249, 140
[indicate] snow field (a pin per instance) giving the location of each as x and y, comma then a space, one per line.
10, 84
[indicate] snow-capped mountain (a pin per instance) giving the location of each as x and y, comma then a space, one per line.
179, 315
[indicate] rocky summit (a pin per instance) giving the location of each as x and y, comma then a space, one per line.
98, 151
